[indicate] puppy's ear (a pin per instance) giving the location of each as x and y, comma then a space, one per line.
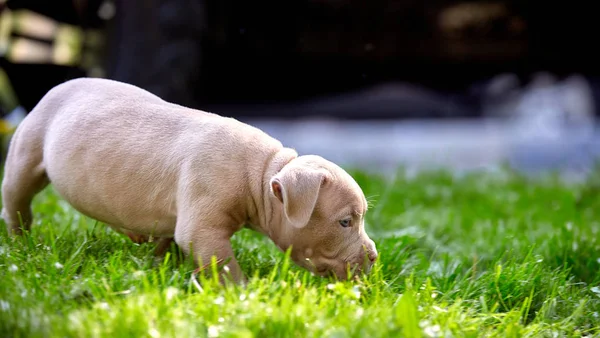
298, 190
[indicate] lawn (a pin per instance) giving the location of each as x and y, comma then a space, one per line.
484, 254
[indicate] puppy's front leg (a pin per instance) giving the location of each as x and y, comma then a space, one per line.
204, 241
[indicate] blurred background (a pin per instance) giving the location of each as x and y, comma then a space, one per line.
372, 85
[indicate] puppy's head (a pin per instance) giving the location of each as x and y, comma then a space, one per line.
322, 211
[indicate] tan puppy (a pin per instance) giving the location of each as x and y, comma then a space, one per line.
125, 157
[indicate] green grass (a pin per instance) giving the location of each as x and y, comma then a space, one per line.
493, 255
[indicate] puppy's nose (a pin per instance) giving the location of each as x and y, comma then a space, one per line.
373, 256
371, 250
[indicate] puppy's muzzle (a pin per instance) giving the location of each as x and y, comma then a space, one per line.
364, 260
370, 252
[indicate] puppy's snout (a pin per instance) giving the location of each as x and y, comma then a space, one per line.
371, 251
373, 256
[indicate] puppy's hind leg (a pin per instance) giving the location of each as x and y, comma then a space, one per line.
24, 177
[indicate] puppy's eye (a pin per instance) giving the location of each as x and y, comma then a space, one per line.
346, 222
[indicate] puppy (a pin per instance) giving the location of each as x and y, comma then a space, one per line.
147, 167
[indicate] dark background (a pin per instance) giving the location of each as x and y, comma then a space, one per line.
292, 59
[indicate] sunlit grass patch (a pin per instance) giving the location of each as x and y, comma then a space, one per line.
469, 256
